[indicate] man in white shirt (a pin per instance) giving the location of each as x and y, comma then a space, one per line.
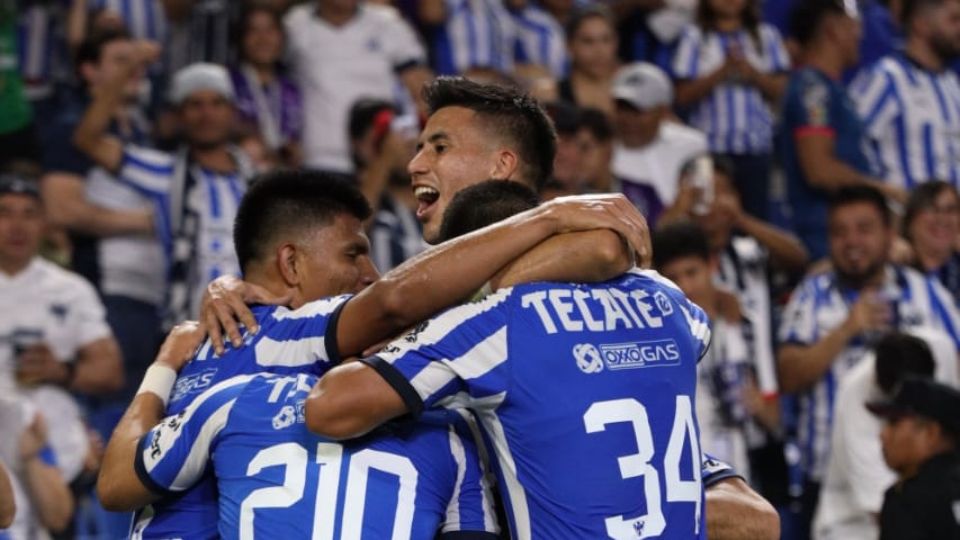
857, 477
652, 150
341, 51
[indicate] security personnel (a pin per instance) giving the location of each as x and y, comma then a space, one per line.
920, 443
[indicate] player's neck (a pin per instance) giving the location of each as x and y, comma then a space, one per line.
921, 53
12, 267
824, 60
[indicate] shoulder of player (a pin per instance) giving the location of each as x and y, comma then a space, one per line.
323, 307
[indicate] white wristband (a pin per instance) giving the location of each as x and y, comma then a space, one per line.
159, 381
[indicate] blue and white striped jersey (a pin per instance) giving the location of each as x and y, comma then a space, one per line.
586, 395
477, 34
214, 199
542, 40
42, 53
144, 19
289, 342
735, 117
818, 306
278, 480
912, 117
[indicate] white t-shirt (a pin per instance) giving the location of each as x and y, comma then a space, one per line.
650, 176
857, 476
337, 65
47, 304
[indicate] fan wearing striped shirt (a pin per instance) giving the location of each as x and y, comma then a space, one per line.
729, 68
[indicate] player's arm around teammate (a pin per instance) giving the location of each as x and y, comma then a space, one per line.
118, 486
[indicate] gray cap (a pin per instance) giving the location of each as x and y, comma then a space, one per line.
200, 76
643, 85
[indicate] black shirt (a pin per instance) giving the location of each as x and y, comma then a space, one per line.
927, 506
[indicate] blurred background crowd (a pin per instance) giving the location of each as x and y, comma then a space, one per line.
798, 160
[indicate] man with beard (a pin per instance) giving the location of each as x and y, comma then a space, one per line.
910, 101
834, 316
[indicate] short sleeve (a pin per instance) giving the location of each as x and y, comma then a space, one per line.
713, 471
471, 504
307, 335
811, 106
148, 171
174, 454
464, 348
403, 47
88, 316
686, 59
798, 325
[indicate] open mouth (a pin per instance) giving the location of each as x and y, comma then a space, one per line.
427, 198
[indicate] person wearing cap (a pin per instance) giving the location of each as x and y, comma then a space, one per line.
920, 440
651, 149
195, 191
823, 137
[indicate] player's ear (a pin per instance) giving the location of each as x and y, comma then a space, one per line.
507, 165
288, 264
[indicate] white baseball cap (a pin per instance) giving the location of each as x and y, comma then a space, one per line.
200, 76
643, 85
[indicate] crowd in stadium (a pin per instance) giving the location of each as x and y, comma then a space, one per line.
796, 164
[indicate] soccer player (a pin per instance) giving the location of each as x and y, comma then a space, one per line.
606, 372
275, 479
300, 234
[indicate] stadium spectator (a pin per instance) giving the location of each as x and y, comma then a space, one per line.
727, 392
340, 52
43, 499
381, 151
195, 192
652, 150
541, 41
598, 157
17, 135
823, 137
592, 44
144, 19
881, 30
729, 67
200, 31
920, 443
268, 103
569, 165
931, 224
856, 476
910, 100
835, 314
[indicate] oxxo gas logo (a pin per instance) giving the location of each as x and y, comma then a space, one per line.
616, 356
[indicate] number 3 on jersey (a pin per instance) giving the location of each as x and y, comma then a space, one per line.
330, 458
604, 413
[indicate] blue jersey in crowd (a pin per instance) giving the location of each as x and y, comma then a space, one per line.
586, 394
815, 104
277, 480
289, 342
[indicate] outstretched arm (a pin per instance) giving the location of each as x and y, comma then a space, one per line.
118, 485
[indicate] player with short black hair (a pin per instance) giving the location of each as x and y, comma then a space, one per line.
483, 204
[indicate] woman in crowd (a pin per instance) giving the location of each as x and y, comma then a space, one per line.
932, 226
729, 66
592, 42
268, 102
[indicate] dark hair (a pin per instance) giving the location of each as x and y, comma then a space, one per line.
900, 356
678, 240
242, 25
484, 204
912, 8
923, 197
583, 15
706, 18
288, 202
363, 113
511, 114
566, 117
597, 123
807, 17
846, 196
91, 49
